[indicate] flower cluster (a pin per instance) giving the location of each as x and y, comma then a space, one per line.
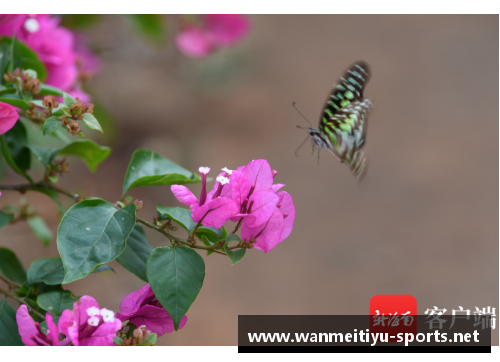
67, 63
88, 325
247, 196
213, 32
85, 325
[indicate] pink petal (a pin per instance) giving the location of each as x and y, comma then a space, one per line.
287, 206
183, 194
226, 189
8, 117
193, 42
215, 212
80, 308
276, 187
67, 321
156, 319
264, 204
103, 335
133, 301
53, 331
26, 326
270, 232
239, 187
259, 174
226, 29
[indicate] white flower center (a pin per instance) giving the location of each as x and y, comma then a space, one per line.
204, 170
223, 180
107, 315
228, 171
93, 321
31, 25
93, 311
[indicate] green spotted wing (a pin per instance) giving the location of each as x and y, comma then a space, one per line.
344, 119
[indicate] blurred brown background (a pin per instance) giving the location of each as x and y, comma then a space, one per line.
424, 222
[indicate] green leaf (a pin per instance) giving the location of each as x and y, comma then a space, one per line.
232, 237
177, 214
92, 233
68, 100
5, 219
16, 139
148, 168
10, 161
51, 271
212, 234
52, 124
9, 334
4, 59
40, 229
11, 267
118, 341
15, 60
234, 256
150, 341
47, 270
28, 59
57, 301
43, 154
151, 26
48, 90
176, 276
16, 102
88, 151
91, 122
5, 90
136, 253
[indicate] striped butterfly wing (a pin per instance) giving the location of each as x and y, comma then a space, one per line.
344, 118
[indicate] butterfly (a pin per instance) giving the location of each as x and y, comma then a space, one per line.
343, 122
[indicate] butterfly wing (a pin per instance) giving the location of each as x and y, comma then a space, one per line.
349, 88
346, 132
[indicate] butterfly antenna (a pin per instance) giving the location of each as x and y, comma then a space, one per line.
302, 144
293, 104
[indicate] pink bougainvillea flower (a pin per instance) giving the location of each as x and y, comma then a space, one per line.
211, 210
63, 56
142, 308
87, 325
215, 31
31, 333
8, 117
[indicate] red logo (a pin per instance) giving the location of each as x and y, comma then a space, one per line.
393, 314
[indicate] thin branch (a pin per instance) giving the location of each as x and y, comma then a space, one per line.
21, 300
9, 282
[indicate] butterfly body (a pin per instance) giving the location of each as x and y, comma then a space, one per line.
343, 122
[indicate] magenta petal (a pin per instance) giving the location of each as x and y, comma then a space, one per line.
226, 29
287, 206
8, 117
259, 174
133, 301
268, 234
53, 331
264, 203
193, 42
66, 321
26, 326
103, 335
276, 187
156, 319
80, 308
183, 194
215, 212
239, 187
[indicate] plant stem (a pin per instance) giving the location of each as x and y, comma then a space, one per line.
20, 300
237, 226
8, 282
